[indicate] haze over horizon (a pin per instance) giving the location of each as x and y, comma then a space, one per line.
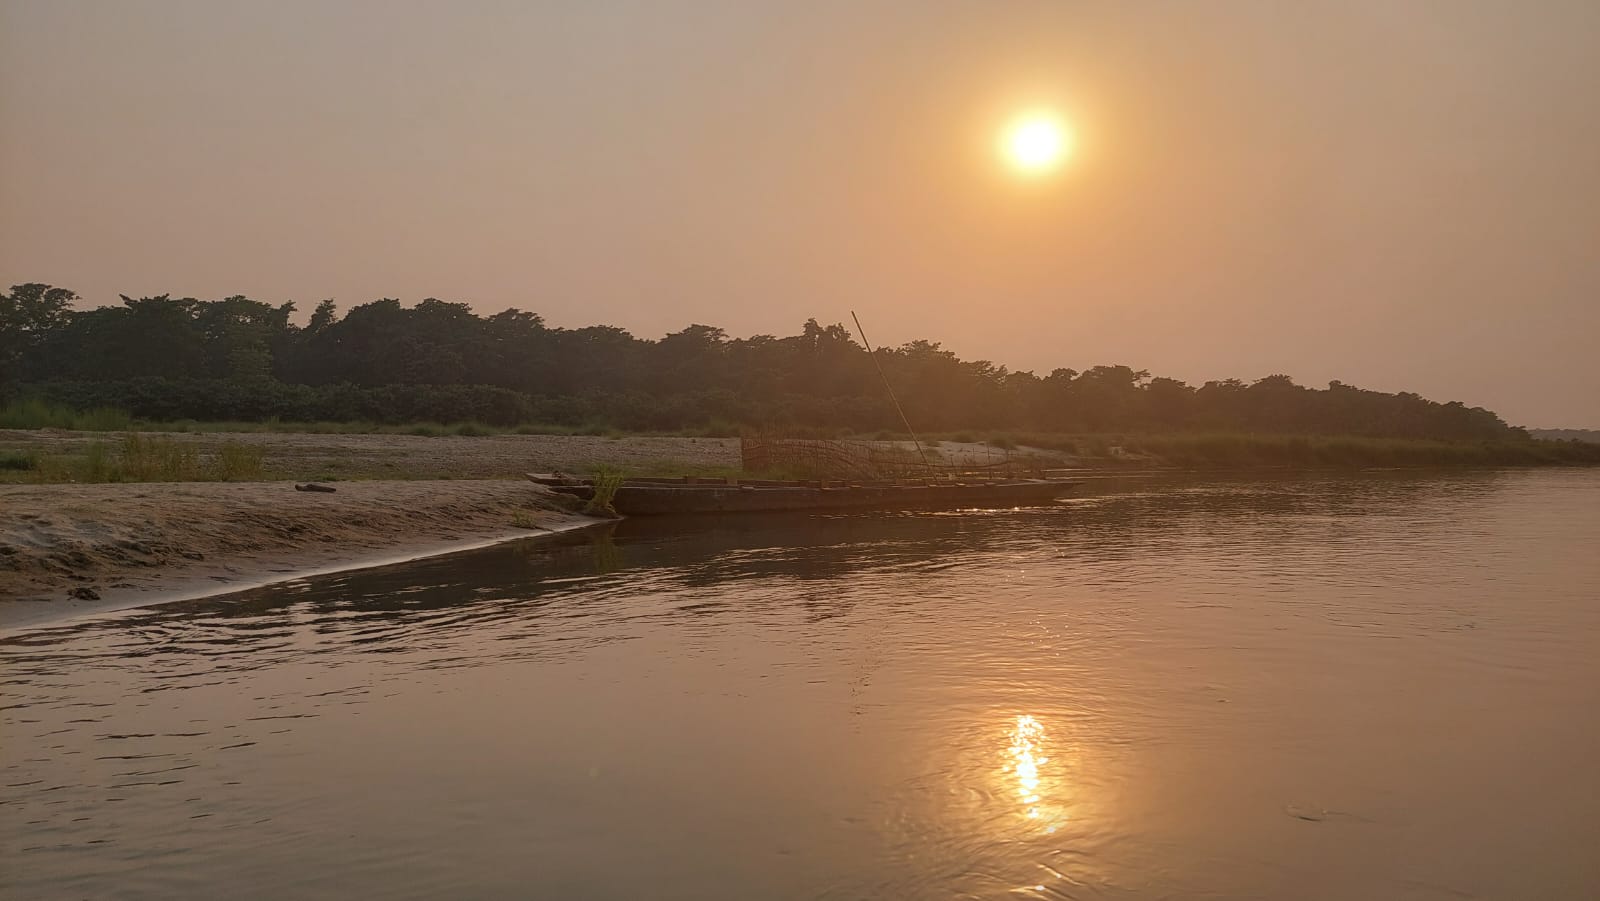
1402, 197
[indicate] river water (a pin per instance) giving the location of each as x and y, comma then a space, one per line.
1375, 686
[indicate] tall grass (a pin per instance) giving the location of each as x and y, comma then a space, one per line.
33, 413
157, 459
37, 414
606, 482
18, 461
141, 458
238, 462
99, 465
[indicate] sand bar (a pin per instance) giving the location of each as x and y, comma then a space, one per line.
71, 549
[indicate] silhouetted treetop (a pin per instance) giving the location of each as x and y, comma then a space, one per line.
237, 358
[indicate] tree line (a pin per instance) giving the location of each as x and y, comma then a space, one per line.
166, 358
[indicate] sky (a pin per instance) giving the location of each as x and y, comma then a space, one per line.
1400, 196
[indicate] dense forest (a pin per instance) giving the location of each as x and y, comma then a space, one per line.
164, 358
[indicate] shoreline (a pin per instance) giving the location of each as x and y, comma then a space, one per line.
74, 550
17, 614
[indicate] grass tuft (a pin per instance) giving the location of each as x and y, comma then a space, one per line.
19, 461
99, 464
238, 462
606, 482
138, 457
152, 458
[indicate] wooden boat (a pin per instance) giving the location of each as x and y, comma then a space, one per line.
652, 497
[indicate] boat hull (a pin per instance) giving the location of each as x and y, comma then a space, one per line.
658, 500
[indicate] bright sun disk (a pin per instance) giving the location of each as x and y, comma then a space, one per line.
1035, 144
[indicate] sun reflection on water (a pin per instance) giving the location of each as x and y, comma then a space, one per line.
1027, 762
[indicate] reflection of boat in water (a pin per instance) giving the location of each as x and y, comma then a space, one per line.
650, 497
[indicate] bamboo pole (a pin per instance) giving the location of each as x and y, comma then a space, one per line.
890, 388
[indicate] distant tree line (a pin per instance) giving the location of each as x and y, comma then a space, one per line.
165, 358
1587, 436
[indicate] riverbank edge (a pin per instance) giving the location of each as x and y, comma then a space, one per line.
68, 551
20, 614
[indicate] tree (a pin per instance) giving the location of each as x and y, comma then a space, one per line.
28, 315
165, 357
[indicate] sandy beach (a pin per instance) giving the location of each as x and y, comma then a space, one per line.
67, 549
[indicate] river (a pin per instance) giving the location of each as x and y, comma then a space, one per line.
1383, 685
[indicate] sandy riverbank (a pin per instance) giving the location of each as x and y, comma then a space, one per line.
66, 549
298, 455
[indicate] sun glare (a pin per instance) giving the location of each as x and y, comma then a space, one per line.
1026, 750
1035, 144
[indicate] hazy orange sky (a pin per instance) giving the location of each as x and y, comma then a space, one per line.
1400, 195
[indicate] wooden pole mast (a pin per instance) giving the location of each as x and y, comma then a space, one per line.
890, 388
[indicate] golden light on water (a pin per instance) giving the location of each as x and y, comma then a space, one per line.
1026, 765
1036, 143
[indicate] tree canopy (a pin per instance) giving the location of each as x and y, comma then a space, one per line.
238, 358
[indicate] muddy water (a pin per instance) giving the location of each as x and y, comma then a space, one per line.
1384, 686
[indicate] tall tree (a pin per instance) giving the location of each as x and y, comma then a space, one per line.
29, 314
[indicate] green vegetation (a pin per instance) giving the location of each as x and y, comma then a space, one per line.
606, 481
34, 413
28, 413
1236, 449
237, 462
155, 459
98, 465
1591, 436
18, 461
139, 458
164, 359
1311, 451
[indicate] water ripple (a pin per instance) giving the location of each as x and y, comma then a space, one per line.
1180, 688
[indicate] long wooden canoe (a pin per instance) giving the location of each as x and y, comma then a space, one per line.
663, 496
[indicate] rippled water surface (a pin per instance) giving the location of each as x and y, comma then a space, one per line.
1384, 686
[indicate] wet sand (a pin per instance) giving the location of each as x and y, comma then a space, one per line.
70, 549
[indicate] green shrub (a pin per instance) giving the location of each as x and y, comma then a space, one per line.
99, 465
606, 481
19, 461
54, 468
239, 462
153, 458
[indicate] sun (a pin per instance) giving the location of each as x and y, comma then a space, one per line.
1036, 143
